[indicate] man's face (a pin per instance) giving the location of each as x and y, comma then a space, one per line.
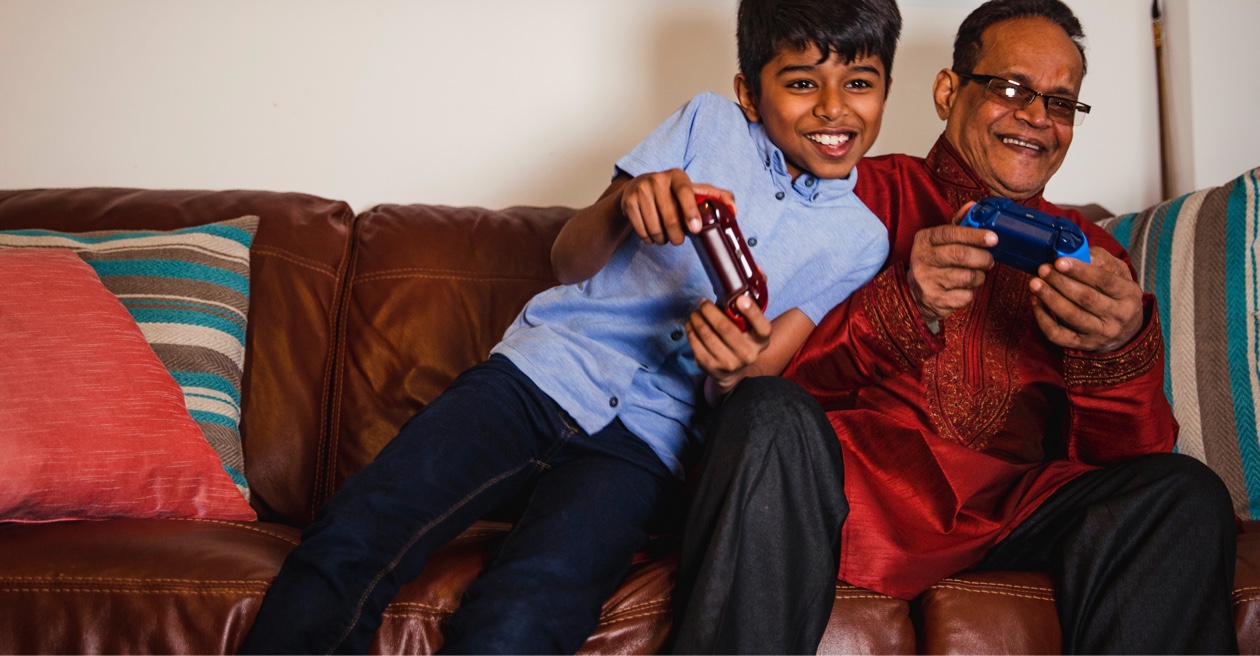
824, 116
1013, 151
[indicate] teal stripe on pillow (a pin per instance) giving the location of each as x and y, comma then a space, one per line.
208, 381
1241, 303
188, 290
172, 269
241, 235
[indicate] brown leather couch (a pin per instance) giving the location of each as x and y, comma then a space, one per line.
355, 323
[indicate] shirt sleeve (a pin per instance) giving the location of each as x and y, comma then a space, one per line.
671, 144
832, 276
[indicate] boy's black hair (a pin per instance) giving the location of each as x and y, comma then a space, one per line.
967, 44
849, 28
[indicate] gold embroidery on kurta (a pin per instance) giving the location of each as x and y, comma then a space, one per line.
972, 383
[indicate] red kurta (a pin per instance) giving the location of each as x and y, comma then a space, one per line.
952, 440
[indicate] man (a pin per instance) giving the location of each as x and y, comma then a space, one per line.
986, 418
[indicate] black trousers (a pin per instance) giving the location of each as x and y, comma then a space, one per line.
1142, 553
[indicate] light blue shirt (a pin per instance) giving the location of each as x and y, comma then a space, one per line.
614, 345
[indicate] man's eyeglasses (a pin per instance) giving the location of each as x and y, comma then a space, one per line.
1017, 96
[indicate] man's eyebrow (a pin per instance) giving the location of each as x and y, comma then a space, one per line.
1063, 92
867, 68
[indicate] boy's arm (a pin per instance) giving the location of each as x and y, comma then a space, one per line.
654, 206
728, 355
588, 239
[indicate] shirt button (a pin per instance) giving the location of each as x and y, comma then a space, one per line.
613, 402
780, 195
814, 197
767, 161
752, 241
676, 335
809, 182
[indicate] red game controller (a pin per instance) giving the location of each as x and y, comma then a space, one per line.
727, 259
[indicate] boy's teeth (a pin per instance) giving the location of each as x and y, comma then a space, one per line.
829, 139
1017, 142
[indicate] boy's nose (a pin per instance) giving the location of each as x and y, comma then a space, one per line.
830, 105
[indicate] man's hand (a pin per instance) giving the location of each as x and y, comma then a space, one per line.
947, 264
724, 352
658, 205
1094, 307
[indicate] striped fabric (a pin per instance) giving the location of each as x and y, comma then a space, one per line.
1198, 255
188, 290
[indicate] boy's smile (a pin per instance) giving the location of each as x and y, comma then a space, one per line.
823, 114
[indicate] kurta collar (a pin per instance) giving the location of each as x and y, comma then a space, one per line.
961, 184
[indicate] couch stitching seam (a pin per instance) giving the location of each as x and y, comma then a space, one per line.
986, 584
405, 274
293, 259
996, 592
242, 526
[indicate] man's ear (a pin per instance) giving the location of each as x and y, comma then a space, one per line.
746, 100
945, 92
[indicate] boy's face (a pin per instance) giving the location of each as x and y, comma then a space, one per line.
823, 116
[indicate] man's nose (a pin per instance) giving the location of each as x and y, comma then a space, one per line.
1035, 113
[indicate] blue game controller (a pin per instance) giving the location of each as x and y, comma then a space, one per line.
1027, 238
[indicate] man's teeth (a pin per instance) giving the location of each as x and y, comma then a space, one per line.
829, 139
1017, 142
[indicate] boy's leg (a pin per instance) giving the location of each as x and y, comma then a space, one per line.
1142, 553
473, 447
589, 513
761, 547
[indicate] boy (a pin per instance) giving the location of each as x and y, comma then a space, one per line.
593, 389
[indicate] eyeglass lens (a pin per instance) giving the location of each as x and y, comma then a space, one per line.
1018, 97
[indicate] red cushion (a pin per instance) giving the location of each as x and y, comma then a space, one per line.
92, 425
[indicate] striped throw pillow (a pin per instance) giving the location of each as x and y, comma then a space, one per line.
1198, 255
188, 290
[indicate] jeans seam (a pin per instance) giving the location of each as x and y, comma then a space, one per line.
358, 609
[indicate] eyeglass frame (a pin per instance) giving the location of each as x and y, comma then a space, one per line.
1079, 109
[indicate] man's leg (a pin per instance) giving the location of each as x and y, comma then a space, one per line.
588, 515
761, 547
473, 447
1143, 558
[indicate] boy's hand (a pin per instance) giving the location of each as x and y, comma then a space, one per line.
721, 349
660, 204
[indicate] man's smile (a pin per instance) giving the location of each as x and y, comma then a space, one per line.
1020, 142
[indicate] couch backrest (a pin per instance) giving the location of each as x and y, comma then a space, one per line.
297, 267
431, 290
1198, 255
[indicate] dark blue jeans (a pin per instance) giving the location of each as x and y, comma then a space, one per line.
480, 443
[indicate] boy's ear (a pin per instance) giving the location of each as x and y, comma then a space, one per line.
945, 92
746, 100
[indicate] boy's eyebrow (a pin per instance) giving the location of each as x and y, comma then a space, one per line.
807, 68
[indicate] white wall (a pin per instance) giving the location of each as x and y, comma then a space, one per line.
499, 102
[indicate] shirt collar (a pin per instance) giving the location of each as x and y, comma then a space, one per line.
807, 187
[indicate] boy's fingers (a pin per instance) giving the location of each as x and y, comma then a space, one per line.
758, 324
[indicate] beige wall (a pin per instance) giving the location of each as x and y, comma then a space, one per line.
500, 102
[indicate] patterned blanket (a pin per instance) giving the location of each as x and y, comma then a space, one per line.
1198, 255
